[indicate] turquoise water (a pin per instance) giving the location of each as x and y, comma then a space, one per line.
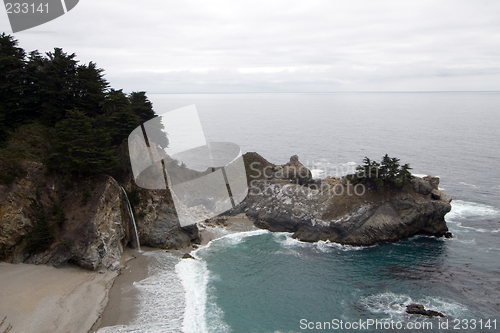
268, 282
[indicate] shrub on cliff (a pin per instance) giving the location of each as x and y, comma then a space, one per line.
388, 171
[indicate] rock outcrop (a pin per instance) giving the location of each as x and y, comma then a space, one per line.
55, 220
420, 310
158, 225
340, 212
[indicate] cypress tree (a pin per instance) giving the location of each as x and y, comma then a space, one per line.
12, 60
80, 148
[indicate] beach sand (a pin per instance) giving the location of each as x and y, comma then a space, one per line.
45, 299
122, 308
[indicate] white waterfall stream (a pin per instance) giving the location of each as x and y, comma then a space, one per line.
138, 245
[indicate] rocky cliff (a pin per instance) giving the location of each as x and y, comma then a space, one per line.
55, 220
157, 222
334, 209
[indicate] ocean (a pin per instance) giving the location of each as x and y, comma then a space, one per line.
268, 282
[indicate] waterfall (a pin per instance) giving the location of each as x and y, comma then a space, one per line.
131, 213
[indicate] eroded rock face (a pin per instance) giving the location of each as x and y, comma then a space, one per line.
55, 220
340, 212
158, 225
82, 220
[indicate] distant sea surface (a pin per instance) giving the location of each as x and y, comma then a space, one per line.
269, 282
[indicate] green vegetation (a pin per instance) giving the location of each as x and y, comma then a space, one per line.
57, 111
388, 172
64, 114
134, 196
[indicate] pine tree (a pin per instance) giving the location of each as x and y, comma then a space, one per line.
394, 168
58, 82
33, 80
12, 60
405, 174
384, 168
80, 148
118, 118
90, 89
141, 106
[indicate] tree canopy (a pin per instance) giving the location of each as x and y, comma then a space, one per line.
88, 120
388, 171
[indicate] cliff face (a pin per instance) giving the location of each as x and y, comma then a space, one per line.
338, 211
55, 220
157, 222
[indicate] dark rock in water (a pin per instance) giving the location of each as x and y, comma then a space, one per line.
448, 235
341, 212
420, 310
187, 256
195, 246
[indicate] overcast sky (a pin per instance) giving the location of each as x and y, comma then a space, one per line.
191, 46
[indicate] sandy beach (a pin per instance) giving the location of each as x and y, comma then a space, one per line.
44, 299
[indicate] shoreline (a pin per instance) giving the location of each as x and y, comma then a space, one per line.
121, 308
45, 299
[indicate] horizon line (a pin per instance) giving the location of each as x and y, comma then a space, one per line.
328, 92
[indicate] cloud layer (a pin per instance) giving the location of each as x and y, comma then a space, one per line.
281, 46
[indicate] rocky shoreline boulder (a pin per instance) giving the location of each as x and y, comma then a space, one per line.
158, 225
420, 310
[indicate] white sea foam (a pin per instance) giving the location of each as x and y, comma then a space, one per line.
317, 173
236, 238
201, 313
482, 230
194, 278
161, 299
286, 240
466, 209
467, 184
395, 305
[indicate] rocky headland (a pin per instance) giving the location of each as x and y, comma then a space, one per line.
287, 198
